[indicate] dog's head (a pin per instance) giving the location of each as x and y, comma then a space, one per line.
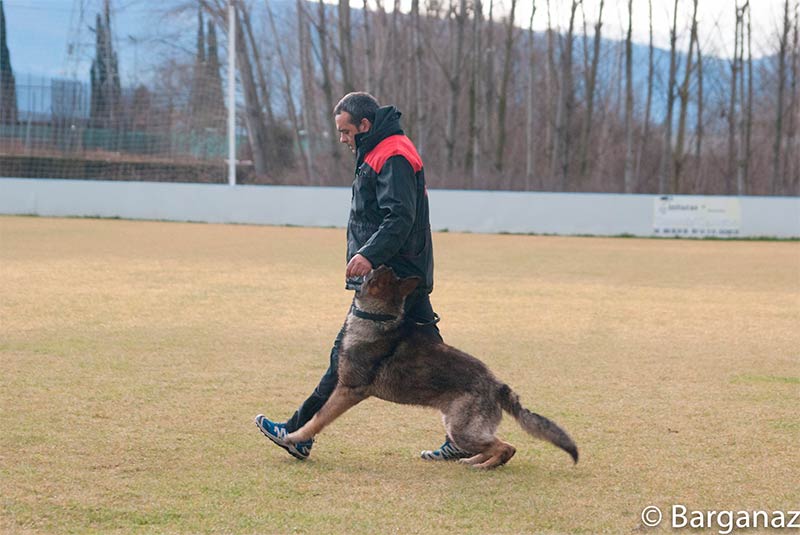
384, 291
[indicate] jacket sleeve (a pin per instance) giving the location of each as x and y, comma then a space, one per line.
396, 192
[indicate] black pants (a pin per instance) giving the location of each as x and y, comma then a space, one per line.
417, 308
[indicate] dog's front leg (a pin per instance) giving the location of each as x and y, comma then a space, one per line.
340, 401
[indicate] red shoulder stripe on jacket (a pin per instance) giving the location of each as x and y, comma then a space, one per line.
398, 145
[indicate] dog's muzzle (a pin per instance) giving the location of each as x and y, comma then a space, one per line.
354, 283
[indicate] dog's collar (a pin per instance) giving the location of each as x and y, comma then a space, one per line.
357, 312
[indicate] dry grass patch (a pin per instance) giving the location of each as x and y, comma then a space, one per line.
134, 355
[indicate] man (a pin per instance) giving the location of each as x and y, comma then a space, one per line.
389, 224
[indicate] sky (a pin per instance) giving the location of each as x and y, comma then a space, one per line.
716, 21
39, 31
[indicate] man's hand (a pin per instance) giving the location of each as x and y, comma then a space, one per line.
357, 267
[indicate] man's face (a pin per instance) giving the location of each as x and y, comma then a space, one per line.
347, 130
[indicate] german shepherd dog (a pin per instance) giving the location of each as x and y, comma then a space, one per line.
383, 356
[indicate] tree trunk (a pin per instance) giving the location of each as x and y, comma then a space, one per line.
742, 157
473, 141
561, 154
549, 76
649, 99
369, 51
749, 112
307, 79
791, 129
698, 150
503, 102
327, 78
629, 186
591, 83
288, 94
777, 175
795, 177
418, 130
683, 94
263, 79
326, 84
453, 75
530, 160
253, 116
666, 157
490, 97
389, 55
346, 46
732, 159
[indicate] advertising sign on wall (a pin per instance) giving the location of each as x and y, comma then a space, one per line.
696, 217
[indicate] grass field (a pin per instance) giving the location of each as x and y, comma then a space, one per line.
134, 355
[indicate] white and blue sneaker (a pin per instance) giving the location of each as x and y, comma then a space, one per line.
446, 452
277, 433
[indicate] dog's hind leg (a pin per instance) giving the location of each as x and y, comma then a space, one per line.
475, 459
342, 399
498, 454
471, 423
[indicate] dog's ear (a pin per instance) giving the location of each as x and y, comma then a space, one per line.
409, 284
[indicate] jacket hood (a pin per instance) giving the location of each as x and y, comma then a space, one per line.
387, 123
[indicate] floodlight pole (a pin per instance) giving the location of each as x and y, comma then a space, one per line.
231, 93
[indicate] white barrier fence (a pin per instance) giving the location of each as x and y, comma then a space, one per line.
456, 210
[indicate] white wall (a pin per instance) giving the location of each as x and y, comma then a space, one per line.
456, 210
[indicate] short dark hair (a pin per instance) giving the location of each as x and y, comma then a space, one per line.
360, 105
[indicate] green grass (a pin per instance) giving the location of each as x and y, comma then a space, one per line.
134, 355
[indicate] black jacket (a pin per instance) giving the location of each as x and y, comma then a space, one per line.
389, 218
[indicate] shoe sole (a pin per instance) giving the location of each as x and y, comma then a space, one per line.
293, 451
430, 456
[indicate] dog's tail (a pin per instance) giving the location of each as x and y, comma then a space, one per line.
535, 424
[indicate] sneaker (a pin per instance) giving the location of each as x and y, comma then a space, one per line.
446, 452
277, 433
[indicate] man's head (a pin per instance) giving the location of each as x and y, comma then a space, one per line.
354, 114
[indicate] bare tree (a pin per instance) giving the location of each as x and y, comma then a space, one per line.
452, 71
453, 74
254, 117
549, 77
735, 73
649, 99
791, 131
530, 160
591, 82
743, 155
326, 84
369, 49
417, 54
683, 95
779, 108
698, 150
666, 157
345, 51
490, 104
561, 152
307, 81
263, 85
390, 49
503, 97
289, 97
473, 140
629, 102
749, 112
